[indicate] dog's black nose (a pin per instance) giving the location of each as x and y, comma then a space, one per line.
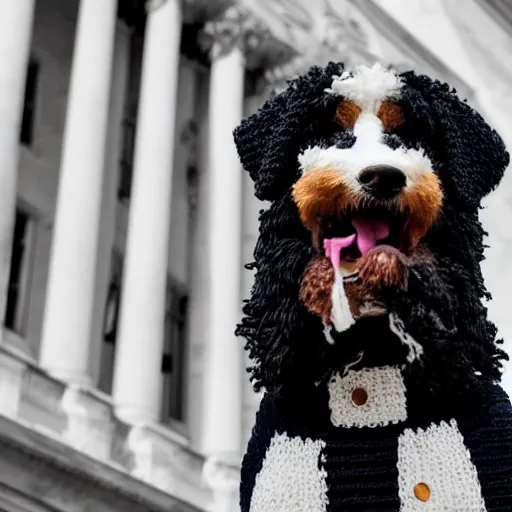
382, 181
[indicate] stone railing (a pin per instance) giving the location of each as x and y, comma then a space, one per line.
83, 422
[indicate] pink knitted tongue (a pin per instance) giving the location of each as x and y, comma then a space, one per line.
369, 232
333, 247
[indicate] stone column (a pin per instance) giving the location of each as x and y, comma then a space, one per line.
197, 325
70, 293
15, 33
223, 362
137, 380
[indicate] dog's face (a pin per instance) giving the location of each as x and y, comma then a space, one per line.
363, 184
364, 189
368, 173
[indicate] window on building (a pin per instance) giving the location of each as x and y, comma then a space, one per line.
20, 273
110, 323
174, 351
113, 299
130, 116
29, 107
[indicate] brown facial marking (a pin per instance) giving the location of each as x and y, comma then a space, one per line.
322, 192
391, 115
423, 202
319, 193
347, 114
316, 287
316, 290
384, 267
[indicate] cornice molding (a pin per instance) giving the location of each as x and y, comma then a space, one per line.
239, 27
236, 27
499, 10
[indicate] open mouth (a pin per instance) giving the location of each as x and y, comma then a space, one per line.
351, 234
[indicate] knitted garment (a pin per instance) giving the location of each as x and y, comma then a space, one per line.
360, 444
367, 325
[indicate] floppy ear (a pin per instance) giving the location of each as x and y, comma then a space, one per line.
472, 156
260, 143
268, 142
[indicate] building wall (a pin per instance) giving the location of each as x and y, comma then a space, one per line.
401, 33
52, 46
53, 37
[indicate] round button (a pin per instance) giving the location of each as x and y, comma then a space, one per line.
359, 397
422, 492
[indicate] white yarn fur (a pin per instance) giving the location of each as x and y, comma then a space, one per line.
438, 458
341, 315
386, 398
397, 327
292, 477
367, 86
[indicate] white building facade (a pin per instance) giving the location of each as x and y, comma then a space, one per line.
125, 222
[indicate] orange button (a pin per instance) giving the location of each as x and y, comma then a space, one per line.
359, 397
422, 492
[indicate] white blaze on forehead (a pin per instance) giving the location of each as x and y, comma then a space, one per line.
367, 86
368, 131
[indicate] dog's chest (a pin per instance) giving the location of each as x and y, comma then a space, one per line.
371, 458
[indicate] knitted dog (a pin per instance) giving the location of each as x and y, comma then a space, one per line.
366, 325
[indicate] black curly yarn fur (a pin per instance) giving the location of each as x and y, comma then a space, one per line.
443, 308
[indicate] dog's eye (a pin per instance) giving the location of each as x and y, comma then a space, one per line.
346, 114
391, 116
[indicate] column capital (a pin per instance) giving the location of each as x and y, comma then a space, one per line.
237, 27
277, 76
338, 42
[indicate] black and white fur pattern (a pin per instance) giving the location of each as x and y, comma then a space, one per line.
367, 88
434, 414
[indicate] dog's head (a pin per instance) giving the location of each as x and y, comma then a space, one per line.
360, 163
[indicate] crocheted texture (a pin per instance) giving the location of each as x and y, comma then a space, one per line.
442, 306
341, 316
348, 425
384, 268
292, 478
397, 327
316, 287
347, 113
377, 469
437, 458
385, 404
490, 446
391, 115
368, 86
